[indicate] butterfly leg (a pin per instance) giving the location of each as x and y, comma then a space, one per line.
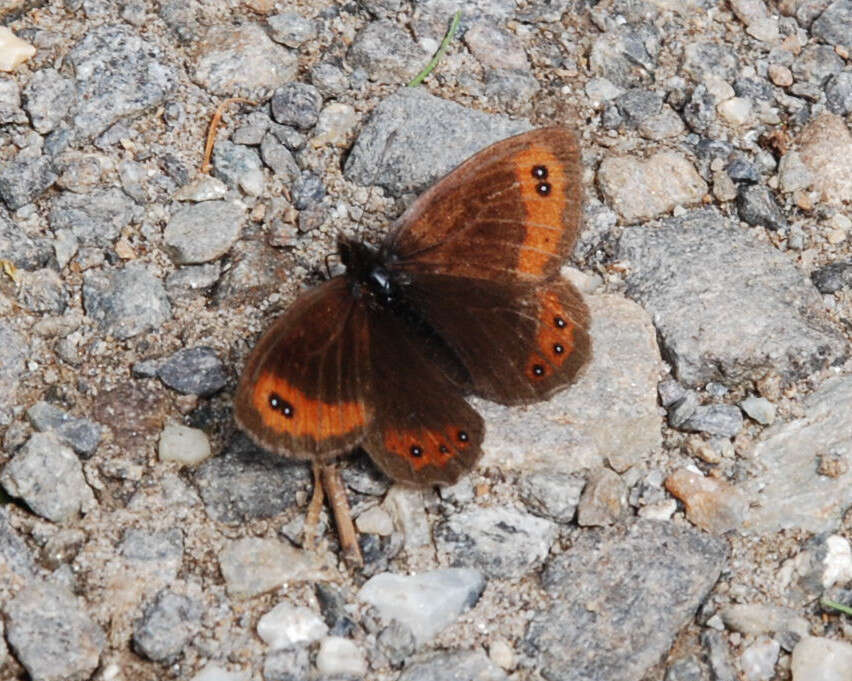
314, 509
333, 484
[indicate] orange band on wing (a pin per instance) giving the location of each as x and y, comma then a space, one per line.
422, 448
555, 337
286, 409
543, 185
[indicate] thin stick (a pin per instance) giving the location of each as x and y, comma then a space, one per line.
420, 77
214, 126
333, 484
314, 508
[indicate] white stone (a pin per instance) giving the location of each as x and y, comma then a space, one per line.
719, 88
427, 602
187, 446
213, 672
838, 562
500, 652
736, 110
335, 125
13, 50
286, 625
821, 659
375, 520
340, 657
758, 660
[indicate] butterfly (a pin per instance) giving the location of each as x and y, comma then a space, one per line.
462, 298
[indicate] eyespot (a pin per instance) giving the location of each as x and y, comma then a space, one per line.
543, 188
416, 451
558, 348
281, 405
538, 370
462, 436
539, 172
559, 323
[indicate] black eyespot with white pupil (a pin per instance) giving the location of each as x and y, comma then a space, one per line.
281, 405
462, 436
558, 349
416, 451
538, 370
444, 449
559, 323
539, 172
543, 188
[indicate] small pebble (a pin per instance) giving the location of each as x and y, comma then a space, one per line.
187, 446
341, 657
286, 626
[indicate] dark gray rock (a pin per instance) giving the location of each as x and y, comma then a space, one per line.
278, 157
22, 250
753, 88
389, 150
834, 25
724, 420
52, 635
237, 166
194, 371
501, 542
23, 180
718, 655
685, 669
167, 625
816, 64
700, 111
833, 277
125, 302
291, 29
638, 585
387, 53
245, 483
297, 105
680, 410
333, 607
48, 97
710, 59
96, 219
81, 434
762, 315
290, 664
200, 232
118, 75
329, 79
742, 170
637, 105
452, 665
48, 477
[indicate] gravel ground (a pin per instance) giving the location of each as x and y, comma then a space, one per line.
681, 513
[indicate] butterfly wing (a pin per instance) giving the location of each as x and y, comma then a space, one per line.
305, 390
424, 432
518, 343
510, 213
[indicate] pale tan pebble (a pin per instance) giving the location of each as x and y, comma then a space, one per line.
780, 75
13, 50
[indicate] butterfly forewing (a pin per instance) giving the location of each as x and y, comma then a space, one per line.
424, 431
518, 343
510, 213
305, 390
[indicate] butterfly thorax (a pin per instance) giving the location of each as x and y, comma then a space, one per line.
367, 273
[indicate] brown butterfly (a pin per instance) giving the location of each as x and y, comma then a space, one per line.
463, 297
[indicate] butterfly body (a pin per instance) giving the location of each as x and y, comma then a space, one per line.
462, 298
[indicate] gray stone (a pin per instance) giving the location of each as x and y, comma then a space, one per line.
758, 207
700, 111
10, 102
292, 664
501, 542
838, 93
703, 59
15, 351
118, 75
308, 190
680, 410
329, 79
834, 25
387, 53
724, 420
496, 48
512, 88
194, 371
201, 232
245, 483
452, 665
193, 278
626, 55
833, 277
334, 610
687, 668
253, 566
180, 17
761, 313
610, 414
719, 655
47, 98
426, 603
637, 105
278, 157
667, 570
43, 291
641, 189
793, 489
49, 478
760, 409
821, 659
389, 150
81, 434
167, 625
297, 105
238, 166
604, 499
24, 179
256, 271
741, 169
15, 555
95, 219
286, 626
749, 618
144, 546
20, 248
241, 61
125, 302
552, 494
52, 635
816, 64
291, 29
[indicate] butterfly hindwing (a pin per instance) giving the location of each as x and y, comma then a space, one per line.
305, 390
424, 431
510, 213
518, 343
